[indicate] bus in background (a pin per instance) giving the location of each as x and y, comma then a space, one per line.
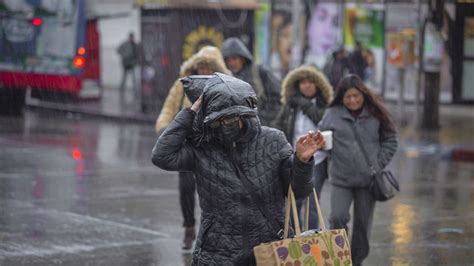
49, 47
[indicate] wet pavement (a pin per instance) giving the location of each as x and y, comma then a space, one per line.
81, 191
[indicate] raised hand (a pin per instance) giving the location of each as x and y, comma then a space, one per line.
308, 144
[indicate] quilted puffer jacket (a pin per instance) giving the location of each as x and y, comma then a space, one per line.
231, 222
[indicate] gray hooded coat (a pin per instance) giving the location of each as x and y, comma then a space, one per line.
347, 167
266, 84
231, 222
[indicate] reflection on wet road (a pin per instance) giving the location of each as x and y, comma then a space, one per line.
83, 192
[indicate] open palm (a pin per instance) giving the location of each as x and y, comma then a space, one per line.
308, 144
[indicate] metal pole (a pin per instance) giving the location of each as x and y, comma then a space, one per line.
420, 64
384, 68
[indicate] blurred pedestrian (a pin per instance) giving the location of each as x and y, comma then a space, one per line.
338, 66
357, 60
355, 113
266, 85
207, 61
129, 53
243, 170
306, 93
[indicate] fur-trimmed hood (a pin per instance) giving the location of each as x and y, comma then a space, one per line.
209, 55
291, 80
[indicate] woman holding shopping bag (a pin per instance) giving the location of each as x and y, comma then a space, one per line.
356, 113
243, 170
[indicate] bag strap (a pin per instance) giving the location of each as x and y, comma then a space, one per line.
291, 205
390, 177
258, 200
364, 152
322, 225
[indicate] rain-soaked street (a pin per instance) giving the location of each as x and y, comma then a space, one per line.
77, 191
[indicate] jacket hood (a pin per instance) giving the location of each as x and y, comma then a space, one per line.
227, 96
290, 83
222, 96
234, 46
209, 55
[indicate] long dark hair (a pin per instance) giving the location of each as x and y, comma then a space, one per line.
373, 102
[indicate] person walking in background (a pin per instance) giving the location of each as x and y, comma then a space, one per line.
356, 113
338, 66
235, 157
358, 61
266, 85
129, 53
305, 95
207, 61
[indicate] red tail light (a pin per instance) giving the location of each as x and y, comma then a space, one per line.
78, 62
36, 22
81, 51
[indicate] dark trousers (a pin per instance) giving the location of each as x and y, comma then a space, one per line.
320, 175
364, 204
187, 188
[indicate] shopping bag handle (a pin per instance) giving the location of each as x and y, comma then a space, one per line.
291, 206
318, 209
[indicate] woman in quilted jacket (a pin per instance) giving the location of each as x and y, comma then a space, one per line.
356, 115
236, 161
208, 60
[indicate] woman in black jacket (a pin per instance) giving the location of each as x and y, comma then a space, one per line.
305, 95
235, 161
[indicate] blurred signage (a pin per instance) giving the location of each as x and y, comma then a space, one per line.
364, 25
432, 49
200, 37
394, 49
401, 48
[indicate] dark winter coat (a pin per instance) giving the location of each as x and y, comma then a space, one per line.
347, 167
129, 52
264, 82
293, 101
231, 223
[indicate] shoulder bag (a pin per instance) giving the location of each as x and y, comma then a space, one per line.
384, 185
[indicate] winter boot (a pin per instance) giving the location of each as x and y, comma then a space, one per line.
189, 236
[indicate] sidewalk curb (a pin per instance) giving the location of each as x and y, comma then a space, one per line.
69, 108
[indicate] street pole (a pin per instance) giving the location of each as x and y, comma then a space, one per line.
431, 103
384, 67
421, 32
401, 95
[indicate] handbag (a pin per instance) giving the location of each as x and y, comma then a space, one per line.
384, 185
326, 247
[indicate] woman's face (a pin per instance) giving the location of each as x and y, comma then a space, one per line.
235, 63
323, 28
307, 88
353, 99
204, 70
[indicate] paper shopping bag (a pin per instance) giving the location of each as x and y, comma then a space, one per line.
328, 247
